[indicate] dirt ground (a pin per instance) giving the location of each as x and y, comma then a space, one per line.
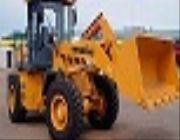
132, 124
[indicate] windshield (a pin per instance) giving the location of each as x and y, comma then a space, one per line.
60, 22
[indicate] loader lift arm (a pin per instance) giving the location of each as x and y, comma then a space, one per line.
143, 66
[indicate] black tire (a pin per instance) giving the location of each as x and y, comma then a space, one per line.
109, 91
18, 114
65, 88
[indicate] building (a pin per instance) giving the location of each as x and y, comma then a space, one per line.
6, 57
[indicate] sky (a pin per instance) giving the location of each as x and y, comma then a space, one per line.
157, 14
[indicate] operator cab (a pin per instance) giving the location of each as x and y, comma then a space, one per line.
49, 22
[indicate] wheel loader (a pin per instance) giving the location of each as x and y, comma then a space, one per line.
71, 80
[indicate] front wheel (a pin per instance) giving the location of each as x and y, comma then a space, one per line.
106, 113
64, 110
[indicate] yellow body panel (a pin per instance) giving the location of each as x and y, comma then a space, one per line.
31, 90
143, 66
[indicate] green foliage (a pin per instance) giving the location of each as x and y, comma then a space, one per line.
16, 35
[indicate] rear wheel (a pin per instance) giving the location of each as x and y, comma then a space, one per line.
16, 111
106, 113
64, 110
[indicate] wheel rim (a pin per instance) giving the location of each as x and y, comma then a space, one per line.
11, 98
101, 105
59, 112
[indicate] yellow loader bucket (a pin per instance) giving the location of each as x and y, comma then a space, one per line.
147, 70
143, 66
